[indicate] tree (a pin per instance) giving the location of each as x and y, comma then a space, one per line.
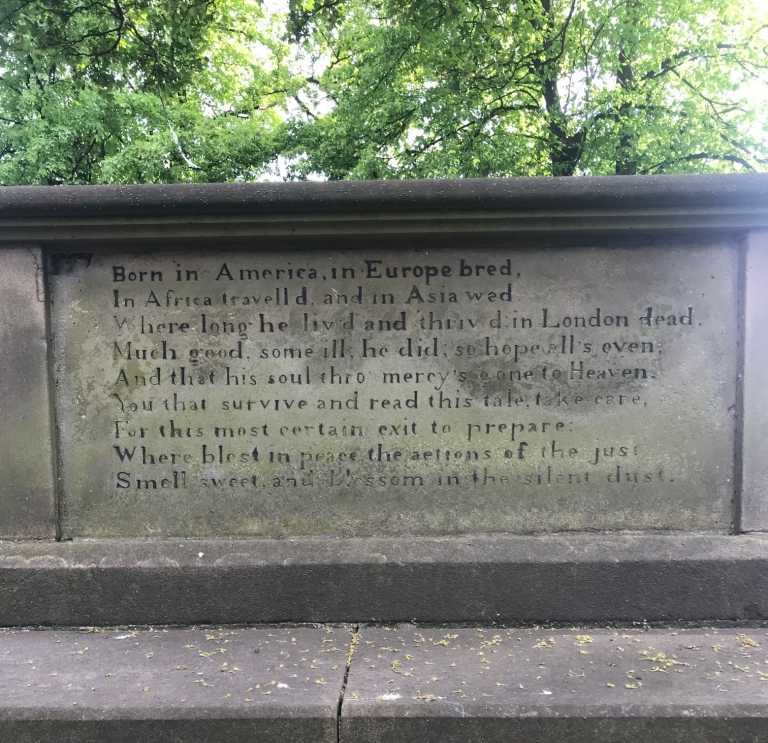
420, 88
121, 91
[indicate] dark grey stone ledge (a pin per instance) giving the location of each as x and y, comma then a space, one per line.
239, 685
743, 191
399, 684
256, 213
486, 578
581, 686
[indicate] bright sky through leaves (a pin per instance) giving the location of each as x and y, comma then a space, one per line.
134, 91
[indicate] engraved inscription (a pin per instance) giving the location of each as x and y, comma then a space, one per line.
394, 392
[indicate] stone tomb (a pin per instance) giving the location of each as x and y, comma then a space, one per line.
396, 392
364, 445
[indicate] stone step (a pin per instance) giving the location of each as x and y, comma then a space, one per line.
183, 685
467, 579
436, 685
401, 683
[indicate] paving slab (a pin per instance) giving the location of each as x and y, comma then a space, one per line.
471, 685
229, 685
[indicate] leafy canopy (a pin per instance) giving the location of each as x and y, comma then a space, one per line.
535, 87
121, 91
136, 91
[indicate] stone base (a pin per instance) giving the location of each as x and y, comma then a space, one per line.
475, 579
402, 683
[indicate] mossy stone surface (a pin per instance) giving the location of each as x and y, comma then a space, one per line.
26, 462
486, 390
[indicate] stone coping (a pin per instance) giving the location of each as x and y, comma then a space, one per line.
481, 578
746, 191
100, 216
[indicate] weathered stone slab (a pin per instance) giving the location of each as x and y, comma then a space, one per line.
465, 578
392, 392
754, 453
26, 463
233, 684
491, 684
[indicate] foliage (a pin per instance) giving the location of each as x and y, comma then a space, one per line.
121, 91
534, 87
